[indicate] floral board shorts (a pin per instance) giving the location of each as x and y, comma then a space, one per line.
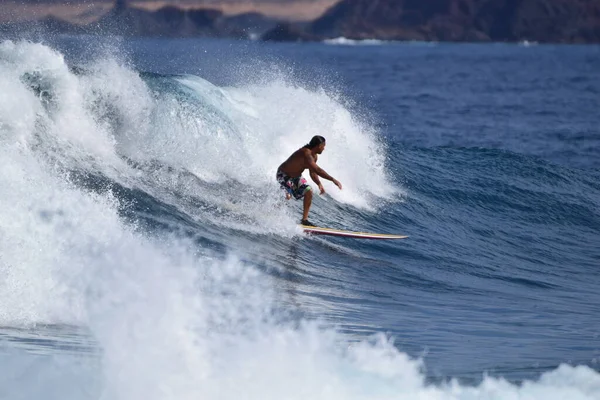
297, 187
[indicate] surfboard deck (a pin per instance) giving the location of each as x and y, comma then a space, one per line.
315, 230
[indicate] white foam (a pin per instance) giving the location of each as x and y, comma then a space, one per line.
232, 137
267, 122
65, 120
176, 326
37, 259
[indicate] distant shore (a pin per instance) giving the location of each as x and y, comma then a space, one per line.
82, 14
299, 11
555, 21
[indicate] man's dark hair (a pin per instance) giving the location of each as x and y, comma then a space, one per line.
314, 142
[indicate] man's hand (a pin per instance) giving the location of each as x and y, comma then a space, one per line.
337, 183
321, 189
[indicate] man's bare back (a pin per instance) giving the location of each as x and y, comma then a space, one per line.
295, 165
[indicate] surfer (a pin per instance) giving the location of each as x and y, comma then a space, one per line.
289, 174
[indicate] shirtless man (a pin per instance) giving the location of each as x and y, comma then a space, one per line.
289, 174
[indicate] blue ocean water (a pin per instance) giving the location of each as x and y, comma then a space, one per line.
148, 253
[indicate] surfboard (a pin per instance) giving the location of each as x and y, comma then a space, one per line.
315, 230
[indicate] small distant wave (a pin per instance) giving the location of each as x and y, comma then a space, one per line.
527, 43
342, 41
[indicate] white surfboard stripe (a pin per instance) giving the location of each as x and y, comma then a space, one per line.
340, 232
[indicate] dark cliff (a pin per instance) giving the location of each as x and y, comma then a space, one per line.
545, 21
558, 21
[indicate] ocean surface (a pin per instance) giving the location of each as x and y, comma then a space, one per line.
147, 252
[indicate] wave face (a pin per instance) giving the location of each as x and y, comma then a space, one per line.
147, 253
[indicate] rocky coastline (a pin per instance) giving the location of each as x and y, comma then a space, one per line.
542, 21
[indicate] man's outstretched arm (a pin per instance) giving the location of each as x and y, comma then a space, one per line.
318, 171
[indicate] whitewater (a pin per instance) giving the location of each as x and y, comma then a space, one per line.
146, 251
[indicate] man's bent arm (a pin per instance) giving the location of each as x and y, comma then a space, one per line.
314, 168
315, 178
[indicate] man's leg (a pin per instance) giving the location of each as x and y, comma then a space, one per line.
281, 178
307, 203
